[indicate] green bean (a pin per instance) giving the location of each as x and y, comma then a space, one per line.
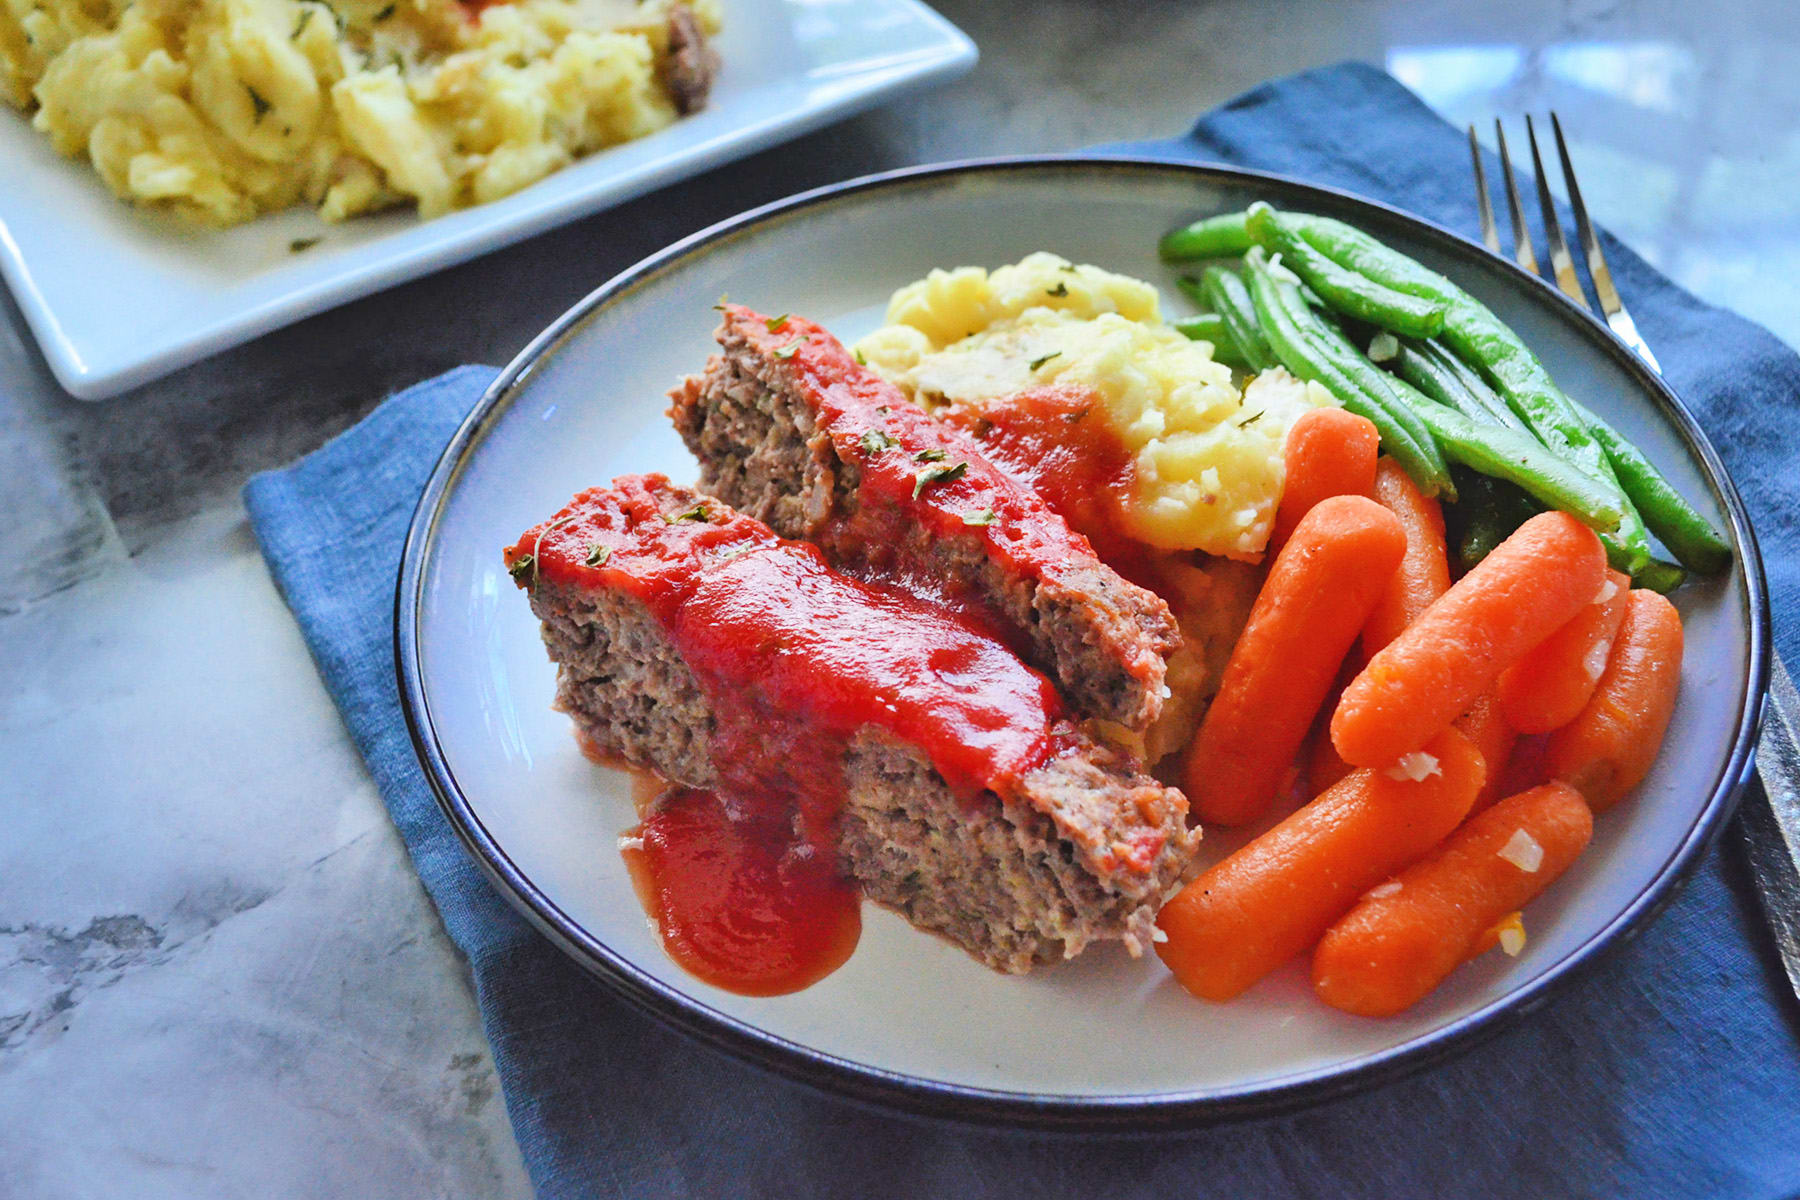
1660, 576
1483, 341
1473, 383
1488, 512
1379, 386
1340, 289
1518, 459
1428, 375
1275, 301
1226, 295
1687, 534
1211, 327
1223, 236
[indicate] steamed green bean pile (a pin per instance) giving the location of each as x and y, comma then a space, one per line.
1462, 404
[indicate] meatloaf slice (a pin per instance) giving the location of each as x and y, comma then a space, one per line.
789, 428
1021, 846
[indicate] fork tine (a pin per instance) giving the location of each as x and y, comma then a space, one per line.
1610, 304
1523, 254
1490, 233
1562, 263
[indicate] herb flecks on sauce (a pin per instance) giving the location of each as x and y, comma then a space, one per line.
938, 473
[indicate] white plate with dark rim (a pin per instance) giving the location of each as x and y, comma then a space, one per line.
117, 297
1104, 1040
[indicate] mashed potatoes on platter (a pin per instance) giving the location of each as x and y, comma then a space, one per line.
223, 109
1206, 457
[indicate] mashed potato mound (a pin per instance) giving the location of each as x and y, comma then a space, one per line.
223, 109
1207, 458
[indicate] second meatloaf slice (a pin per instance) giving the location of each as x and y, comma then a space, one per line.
692, 641
789, 428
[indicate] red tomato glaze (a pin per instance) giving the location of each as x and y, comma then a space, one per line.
873, 424
1055, 441
740, 903
795, 660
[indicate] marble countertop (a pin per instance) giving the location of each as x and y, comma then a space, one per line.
218, 974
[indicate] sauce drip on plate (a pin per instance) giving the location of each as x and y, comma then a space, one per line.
739, 902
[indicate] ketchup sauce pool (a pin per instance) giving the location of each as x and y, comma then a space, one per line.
741, 904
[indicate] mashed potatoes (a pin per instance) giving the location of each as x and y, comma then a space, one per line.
223, 109
1206, 458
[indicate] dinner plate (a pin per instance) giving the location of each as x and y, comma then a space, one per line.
1105, 1039
118, 296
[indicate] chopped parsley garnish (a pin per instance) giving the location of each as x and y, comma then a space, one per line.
787, 351
724, 299
1061, 289
981, 516
938, 473
384, 14
696, 513
874, 441
597, 555
533, 562
1038, 362
300, 244
775, 323
258, 105
1252, 419
929, 456
860, 360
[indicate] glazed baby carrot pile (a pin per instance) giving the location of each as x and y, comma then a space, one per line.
1414, 856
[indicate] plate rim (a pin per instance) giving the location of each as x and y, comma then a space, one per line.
960, 1102
85, 370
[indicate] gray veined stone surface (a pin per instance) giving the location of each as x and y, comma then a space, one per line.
218, 974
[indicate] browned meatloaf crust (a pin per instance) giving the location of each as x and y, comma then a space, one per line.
756, 422
1027, 879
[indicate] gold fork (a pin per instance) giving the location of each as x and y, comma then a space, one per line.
1771, 830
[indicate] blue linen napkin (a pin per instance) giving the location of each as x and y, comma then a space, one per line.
1671, 1068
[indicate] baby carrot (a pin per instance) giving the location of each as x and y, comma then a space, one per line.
1330, 452
1424, 572
1546, 689
1508, 602
1607, 749
1323, 767
1316, 597
1405, 937
1493, 735
1275, 896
